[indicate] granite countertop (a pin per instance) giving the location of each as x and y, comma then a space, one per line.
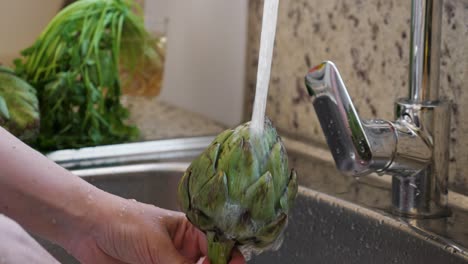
157, 119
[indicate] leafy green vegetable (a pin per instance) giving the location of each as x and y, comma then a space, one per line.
74, 65
239, 192
19, 109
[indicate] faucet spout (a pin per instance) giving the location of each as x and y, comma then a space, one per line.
358, 146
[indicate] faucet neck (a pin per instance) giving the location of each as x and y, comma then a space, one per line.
425, 50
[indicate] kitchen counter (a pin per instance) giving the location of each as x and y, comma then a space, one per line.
157, 119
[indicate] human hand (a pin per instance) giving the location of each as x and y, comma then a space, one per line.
131, 232
93, 225
17, 246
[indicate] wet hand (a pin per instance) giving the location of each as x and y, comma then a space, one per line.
132, 232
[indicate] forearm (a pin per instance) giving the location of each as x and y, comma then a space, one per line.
42, 196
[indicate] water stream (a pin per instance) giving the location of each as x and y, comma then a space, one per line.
267, 41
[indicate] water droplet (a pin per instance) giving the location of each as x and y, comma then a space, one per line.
122, 210
416, 189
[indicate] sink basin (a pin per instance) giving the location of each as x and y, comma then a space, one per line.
335, 219
323, 229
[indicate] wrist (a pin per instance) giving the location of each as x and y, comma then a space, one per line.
82, 216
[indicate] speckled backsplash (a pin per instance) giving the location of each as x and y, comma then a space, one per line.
368, 41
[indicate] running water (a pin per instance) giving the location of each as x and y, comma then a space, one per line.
267, 41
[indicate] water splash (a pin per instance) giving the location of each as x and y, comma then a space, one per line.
267, 41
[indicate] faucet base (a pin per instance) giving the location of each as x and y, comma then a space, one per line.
425, 194
411, 201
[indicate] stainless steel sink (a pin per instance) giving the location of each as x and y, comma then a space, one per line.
324, 229
335, 220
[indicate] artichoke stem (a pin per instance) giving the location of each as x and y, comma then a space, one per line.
219, 252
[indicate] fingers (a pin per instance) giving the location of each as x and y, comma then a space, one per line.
237, 258
169, 254
190, 241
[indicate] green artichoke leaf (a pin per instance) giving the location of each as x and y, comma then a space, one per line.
200, 219
278, 165
287, 199
261, 198
212, 193
269, 234
184, 196
200, 175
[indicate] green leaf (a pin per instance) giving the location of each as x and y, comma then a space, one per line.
74, 65
4, 109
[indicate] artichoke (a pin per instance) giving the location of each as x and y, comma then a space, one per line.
19, 107
239, 192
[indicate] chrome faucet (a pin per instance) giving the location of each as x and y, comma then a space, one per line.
414, 148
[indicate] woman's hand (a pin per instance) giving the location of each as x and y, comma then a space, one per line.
127, 231
16, 246
95, 226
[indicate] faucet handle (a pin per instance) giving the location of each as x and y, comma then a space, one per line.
358, 147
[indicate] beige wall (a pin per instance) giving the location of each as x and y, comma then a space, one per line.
21, 21
205, 69
368, 41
